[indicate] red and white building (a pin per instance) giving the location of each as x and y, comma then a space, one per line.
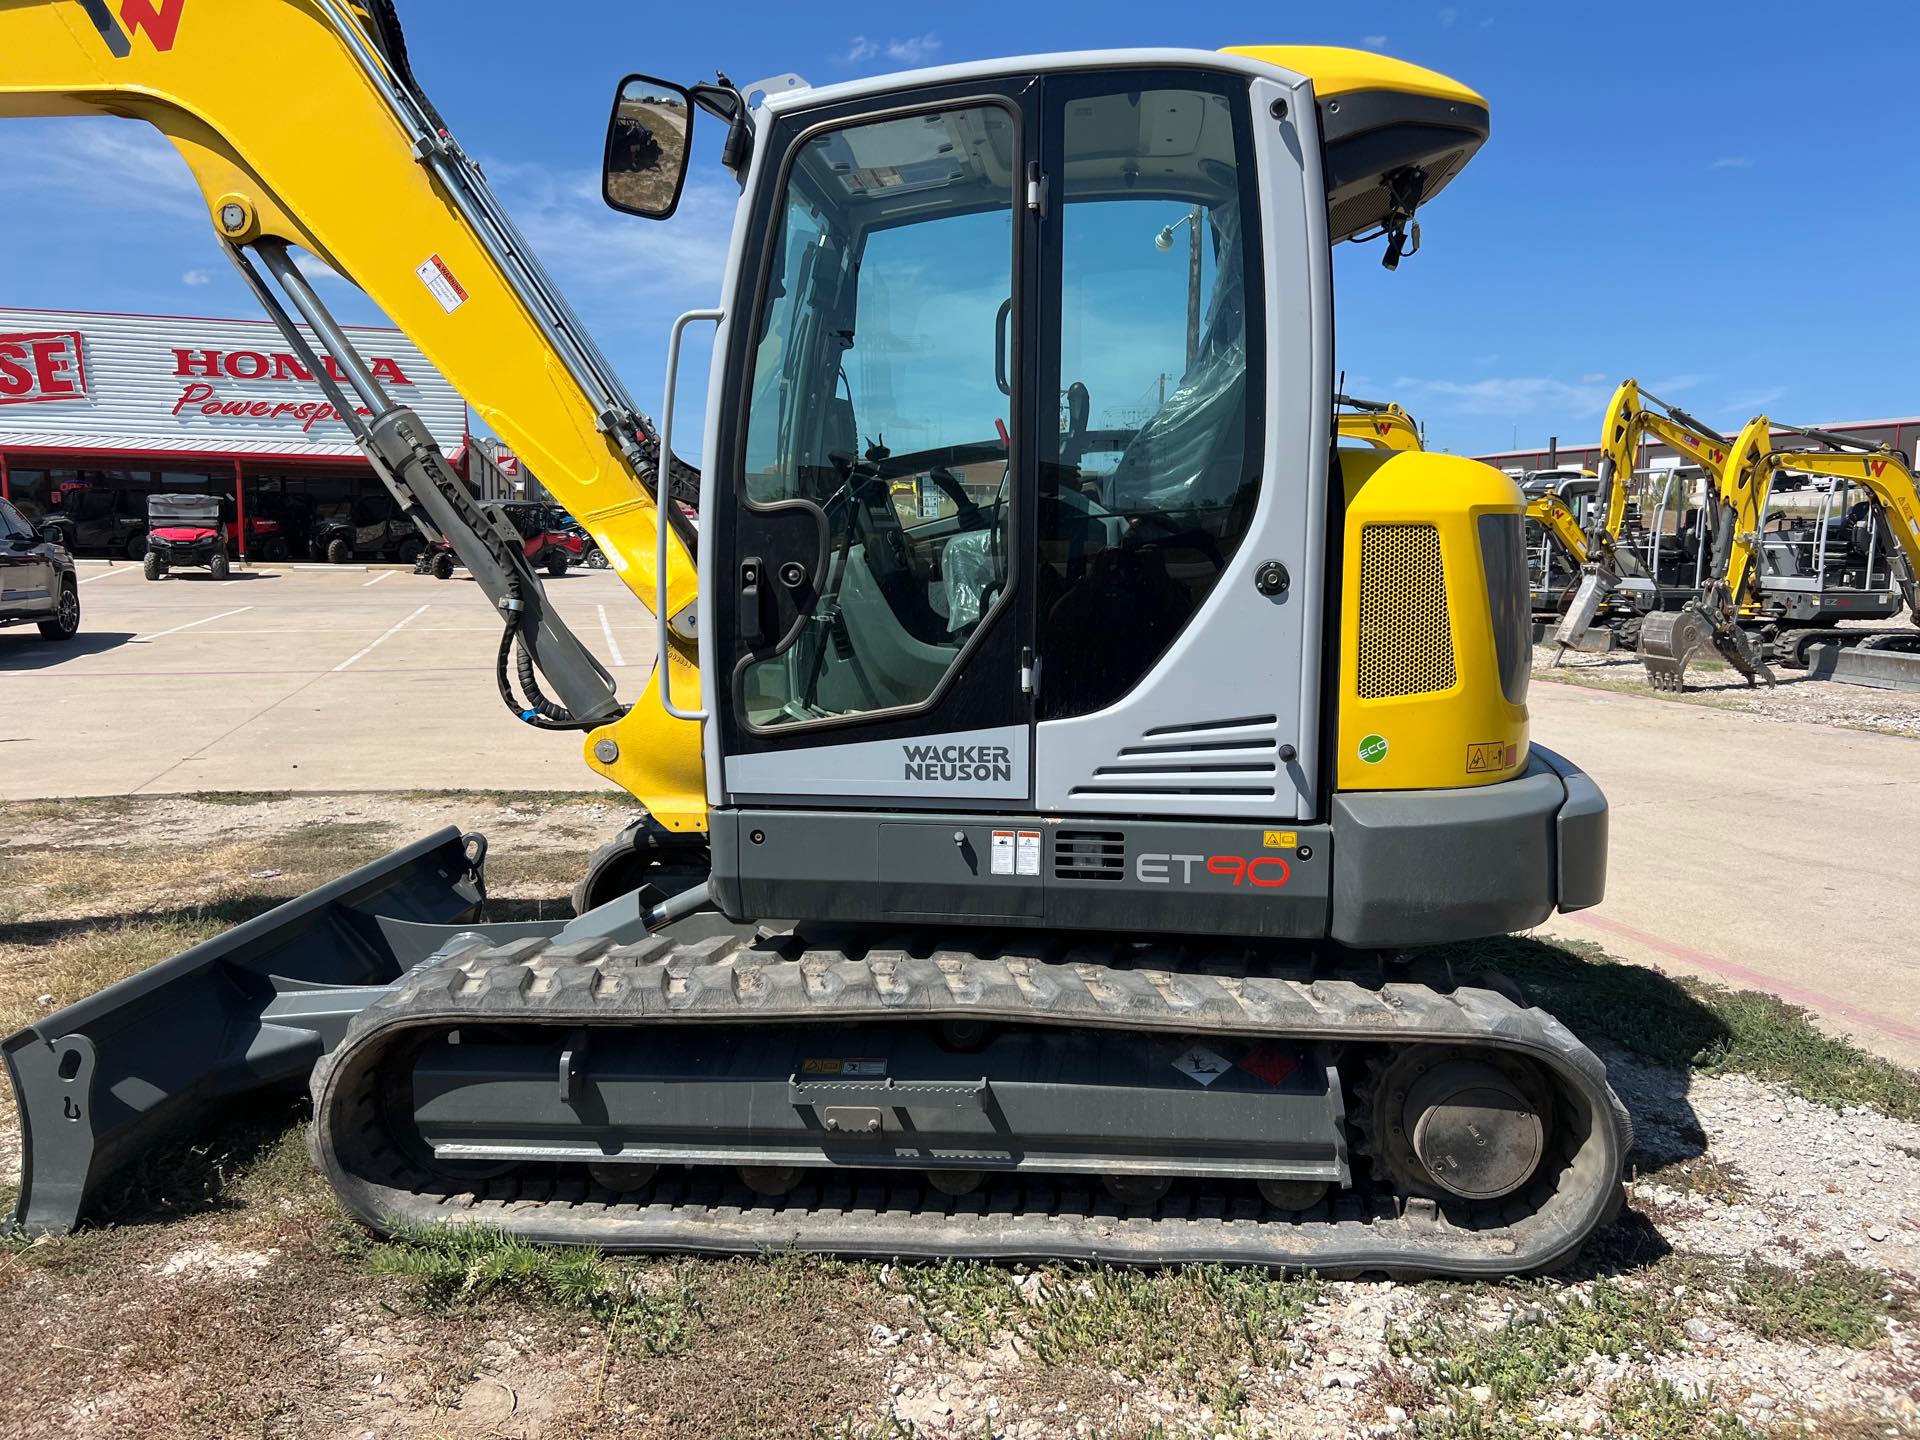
128, 404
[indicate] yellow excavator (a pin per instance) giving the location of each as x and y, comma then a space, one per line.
1048, 877
1379, 423
1613, 578
1773, 590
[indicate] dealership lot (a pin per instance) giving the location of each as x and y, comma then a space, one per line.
325, 678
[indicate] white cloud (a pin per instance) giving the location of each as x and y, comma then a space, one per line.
1373, 42
1676, 384
113, 164
196, 277
915, 49
1506, 396
1447, 16
1594, 378
597, 254
908, 50
1755, 400
1732, 162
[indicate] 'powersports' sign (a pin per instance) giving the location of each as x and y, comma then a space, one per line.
159, 384
984, 764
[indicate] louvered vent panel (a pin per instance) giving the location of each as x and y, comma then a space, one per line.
1089, 855
1406, 640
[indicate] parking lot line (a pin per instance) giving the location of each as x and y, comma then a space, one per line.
108, 574
204, 620
606, 629
375, 645
383, 575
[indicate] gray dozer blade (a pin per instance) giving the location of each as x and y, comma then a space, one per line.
249, 1010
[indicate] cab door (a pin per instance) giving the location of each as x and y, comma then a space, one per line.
873, 621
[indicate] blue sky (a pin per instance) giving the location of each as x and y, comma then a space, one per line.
1721, 204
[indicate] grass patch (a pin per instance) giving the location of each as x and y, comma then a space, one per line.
455, 1267
77, 807
1659, 1410
1195, 1321
1707, 1176
525, 799
1688, 1023
237, 797
1828, 1301
1532, 1354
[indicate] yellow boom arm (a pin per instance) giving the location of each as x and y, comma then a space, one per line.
1381, 424
1628, 421
1883, 473
1555, 517
298, 125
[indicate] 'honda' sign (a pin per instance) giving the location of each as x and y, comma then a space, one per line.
162, 384
41, 365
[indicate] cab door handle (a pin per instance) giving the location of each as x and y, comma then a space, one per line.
753, 629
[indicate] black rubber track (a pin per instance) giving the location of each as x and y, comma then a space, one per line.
1165, 988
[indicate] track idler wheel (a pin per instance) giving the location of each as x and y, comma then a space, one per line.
623, 1178
956, 1182
1460, 1124
1293, 1196
772, 1181
1138, 1189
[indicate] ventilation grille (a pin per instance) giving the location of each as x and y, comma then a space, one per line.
1089, 855
1236, 757
1406, 642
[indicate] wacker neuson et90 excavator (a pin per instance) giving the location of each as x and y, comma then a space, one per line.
1032, 879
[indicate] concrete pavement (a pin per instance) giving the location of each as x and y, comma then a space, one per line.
291, 680
1765, 854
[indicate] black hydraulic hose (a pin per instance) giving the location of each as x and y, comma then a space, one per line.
536, 710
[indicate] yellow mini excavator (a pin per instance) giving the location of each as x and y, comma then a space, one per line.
1614, 580
1778, 585
1103, 812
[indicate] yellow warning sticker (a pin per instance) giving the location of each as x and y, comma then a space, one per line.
1491, 755
820, 1067
1279, 839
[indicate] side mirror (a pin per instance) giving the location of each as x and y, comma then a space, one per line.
52, 535
647, 137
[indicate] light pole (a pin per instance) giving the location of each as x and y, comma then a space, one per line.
1163, 242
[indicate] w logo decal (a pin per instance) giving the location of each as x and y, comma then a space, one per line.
158, 19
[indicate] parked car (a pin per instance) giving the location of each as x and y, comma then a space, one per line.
372, 527
37, 580
186, 530
107, 520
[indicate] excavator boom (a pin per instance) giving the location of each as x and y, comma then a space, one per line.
352, 164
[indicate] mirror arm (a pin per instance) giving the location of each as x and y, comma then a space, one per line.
723, 101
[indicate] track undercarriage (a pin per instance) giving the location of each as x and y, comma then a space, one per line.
921, 1097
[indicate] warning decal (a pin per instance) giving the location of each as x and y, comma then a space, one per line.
435, 275
1202, 1065
1270, 1063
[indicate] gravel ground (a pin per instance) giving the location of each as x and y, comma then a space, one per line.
1763, 1281
1794, 697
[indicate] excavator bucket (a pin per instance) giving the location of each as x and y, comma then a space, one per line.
248, 1011
1669, 640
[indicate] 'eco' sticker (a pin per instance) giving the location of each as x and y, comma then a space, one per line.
1373, 749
